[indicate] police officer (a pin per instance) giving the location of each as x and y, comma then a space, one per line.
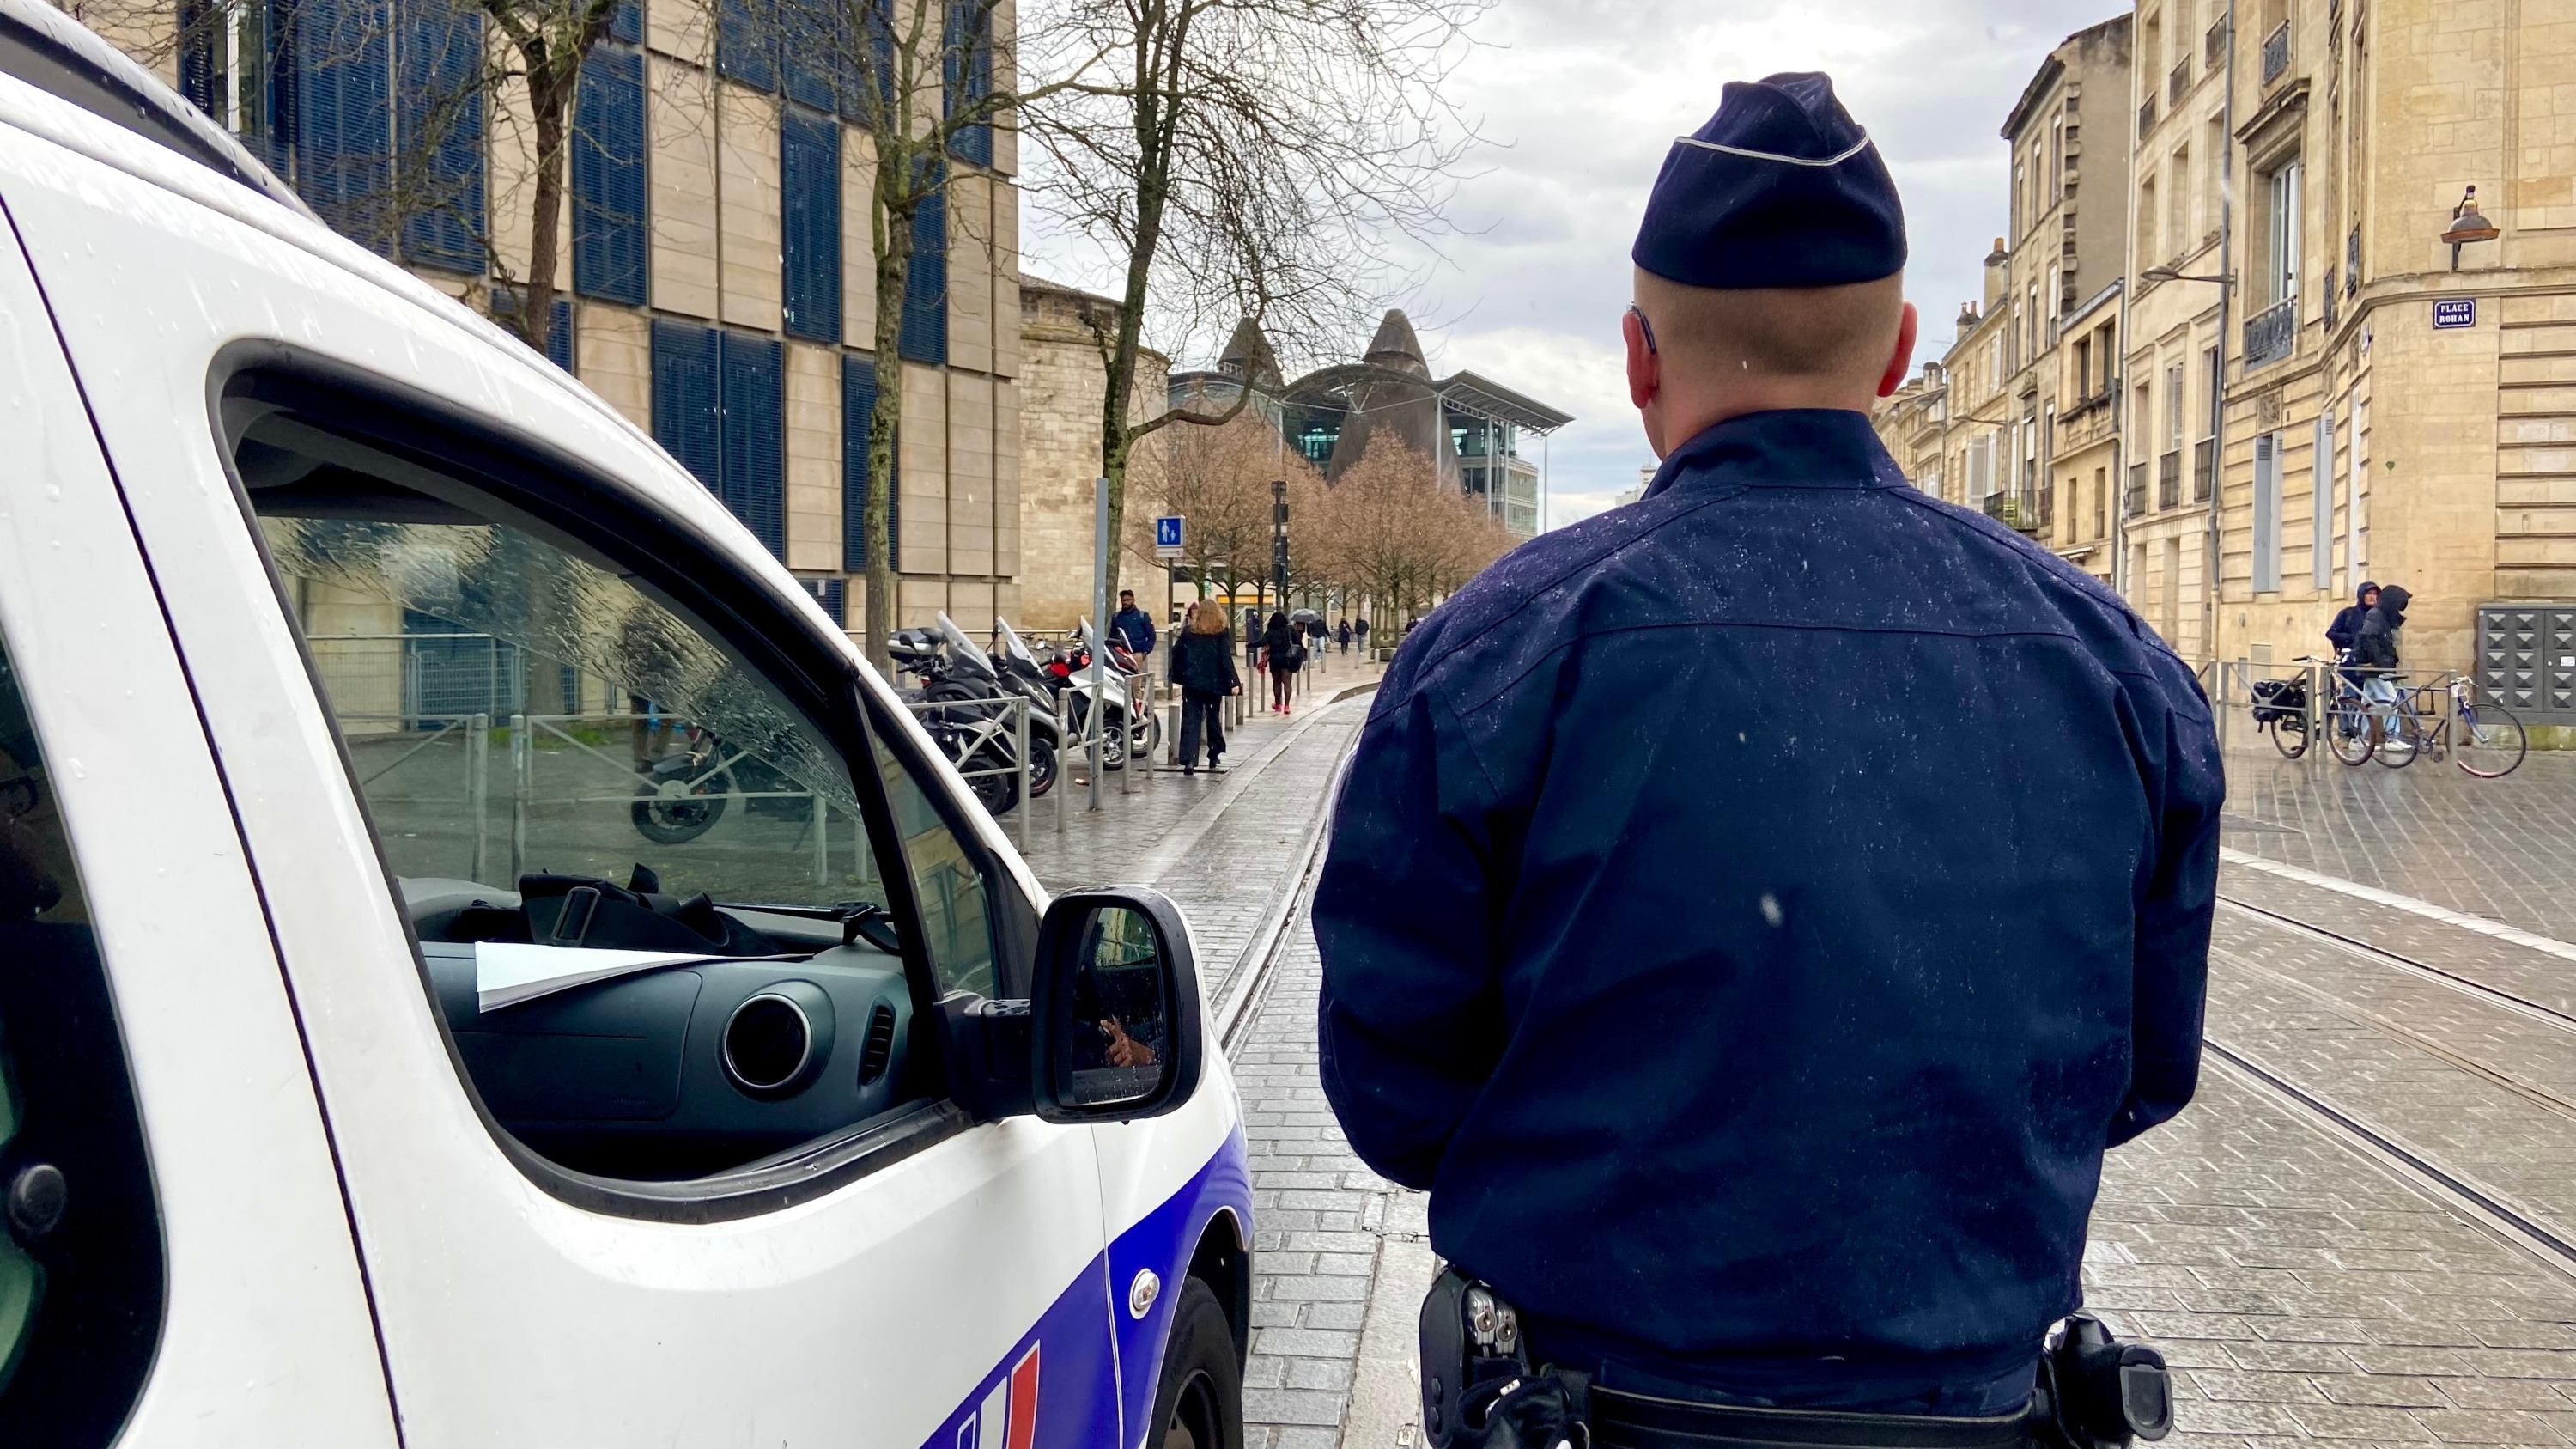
1753, 911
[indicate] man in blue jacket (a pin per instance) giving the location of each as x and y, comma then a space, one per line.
1753, 912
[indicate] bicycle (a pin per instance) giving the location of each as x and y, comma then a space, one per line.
2484, 740
2345, 719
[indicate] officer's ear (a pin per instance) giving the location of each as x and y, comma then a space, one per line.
1645, 369
1903, 360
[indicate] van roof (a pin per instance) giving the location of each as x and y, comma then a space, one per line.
59, 56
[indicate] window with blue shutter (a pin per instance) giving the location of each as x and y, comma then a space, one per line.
201, 47
438, 133
747, 42
925, 286
858, 420
505, 308
857, 65
809, 167
685, 420
343, 97
608, 200
754, 450
967, 66
831, 594
810, 51
626, 22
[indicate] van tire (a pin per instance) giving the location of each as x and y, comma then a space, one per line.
1198, 1398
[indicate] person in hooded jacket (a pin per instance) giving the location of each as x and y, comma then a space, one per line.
2374, 648
2347, 622
1203, 665
1754, 1035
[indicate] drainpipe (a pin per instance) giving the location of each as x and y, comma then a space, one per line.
2226, 312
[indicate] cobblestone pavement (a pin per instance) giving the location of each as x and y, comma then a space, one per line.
2307, 1284
2504, 849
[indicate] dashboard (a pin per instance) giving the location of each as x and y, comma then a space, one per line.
767, 1030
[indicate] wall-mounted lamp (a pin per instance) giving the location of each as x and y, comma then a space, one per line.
2467, 226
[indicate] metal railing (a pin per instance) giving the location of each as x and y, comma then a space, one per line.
2178, 80
2133, 499
2276, 53
990, 721
2213, 47
2147, 117
2169, 479
2271, 333
2204, 469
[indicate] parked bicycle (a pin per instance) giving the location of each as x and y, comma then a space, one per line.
2385, 718
2344, 717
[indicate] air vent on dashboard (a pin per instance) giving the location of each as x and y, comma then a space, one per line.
877, 1048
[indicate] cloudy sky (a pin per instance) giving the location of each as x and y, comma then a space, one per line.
1579, 100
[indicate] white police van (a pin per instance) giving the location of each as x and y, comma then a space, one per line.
388, 1069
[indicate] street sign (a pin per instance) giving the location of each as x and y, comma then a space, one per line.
2455, 311
1167, 536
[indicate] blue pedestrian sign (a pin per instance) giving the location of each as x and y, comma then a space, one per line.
1167, 536
2455, 311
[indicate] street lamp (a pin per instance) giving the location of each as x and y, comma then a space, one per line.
1279, 541
2467, 226
2168, 274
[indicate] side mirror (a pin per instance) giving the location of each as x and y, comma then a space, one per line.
1114, 1016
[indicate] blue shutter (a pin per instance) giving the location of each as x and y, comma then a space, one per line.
858, 417
747, 42
966, 60
925, 286
831, 594
809, 165
608, 201
880, 43
754, 466
626, 22
438, 133
344, 114
201, 39
809, 53
505, 307
684, 397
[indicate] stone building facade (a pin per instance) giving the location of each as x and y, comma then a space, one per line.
717, 272
1062, 383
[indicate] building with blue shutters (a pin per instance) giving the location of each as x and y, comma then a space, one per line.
716, 283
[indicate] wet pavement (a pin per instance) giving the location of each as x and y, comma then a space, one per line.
2362, 1231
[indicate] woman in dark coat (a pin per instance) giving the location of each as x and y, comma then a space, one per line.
1281, 652
1203, 665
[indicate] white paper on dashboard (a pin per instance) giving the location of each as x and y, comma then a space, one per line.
509, 972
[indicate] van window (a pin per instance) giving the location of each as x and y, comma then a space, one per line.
80, 1287
634, 862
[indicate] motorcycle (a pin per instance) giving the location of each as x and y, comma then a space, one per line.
686, 787
976, 735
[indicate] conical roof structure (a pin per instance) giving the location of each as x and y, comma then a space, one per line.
1395, 347
1247, 354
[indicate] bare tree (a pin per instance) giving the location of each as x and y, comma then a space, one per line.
1244, 158
1219, 478
1391, 532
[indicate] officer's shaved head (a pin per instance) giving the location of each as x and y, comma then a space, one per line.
1820, 333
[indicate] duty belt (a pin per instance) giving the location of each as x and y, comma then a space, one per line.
1480, 1391
1638, 1421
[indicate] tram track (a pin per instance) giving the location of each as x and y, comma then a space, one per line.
2526, 1228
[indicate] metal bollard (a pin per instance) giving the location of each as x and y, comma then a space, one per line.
1063, 764
478, 788
520, 769
1028, 802
1127, 746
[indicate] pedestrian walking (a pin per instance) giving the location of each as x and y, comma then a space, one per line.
1130, 628
1342, 635
1756, 1038
1203, 666
1359, 632
1281, 653
2374, 649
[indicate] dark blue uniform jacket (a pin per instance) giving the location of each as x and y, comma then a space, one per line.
1752, 912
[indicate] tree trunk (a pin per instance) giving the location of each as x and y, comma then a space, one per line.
894, 268
550, 96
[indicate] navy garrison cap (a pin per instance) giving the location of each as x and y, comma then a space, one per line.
1780, 189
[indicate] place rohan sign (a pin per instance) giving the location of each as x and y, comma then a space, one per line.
2455, 312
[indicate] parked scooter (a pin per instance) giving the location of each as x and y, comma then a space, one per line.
972, 729
686, 786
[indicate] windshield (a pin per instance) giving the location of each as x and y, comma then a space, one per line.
958, 641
